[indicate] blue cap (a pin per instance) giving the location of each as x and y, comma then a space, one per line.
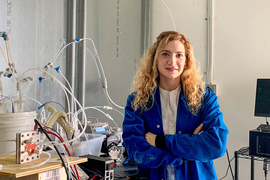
40, 79
58, 68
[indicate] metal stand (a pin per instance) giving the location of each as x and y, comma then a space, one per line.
244, 153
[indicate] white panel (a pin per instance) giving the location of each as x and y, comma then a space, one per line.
37, 31
189, 17
115, 27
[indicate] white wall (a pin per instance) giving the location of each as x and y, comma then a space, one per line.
241, 55
36, 33
115, 27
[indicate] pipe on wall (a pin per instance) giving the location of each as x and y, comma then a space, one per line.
210, 42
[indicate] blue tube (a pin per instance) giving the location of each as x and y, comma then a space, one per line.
41, 106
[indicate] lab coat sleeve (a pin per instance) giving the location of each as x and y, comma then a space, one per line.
139, 150
208, 145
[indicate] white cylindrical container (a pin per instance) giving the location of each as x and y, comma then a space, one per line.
12, 123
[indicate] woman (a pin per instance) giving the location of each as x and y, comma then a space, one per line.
173, 128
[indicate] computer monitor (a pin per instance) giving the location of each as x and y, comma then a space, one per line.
262, 103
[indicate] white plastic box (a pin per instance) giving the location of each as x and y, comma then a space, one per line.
91, 146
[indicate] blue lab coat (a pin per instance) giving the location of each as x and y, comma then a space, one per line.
191, 155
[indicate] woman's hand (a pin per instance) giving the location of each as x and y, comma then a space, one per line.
151, 138
199, 129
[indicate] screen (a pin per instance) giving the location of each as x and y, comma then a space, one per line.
262, 103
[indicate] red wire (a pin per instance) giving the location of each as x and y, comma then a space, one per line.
94, 177
56, 135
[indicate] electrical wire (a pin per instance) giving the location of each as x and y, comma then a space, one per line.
37, 123
229, 163
84, 128
56, 135
228, 170
58, 104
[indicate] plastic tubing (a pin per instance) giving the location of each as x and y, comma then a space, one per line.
32, 99
9, 153
95, 62
55, 57
65, 90
170, 14
7, 53
62, 50
49, 132
75, 108
8, 49
28, 98
47, 160
63, 87
12, 103
105, 87
107, 115
108, 108
83, 130
7, 64
107, 95
65, 155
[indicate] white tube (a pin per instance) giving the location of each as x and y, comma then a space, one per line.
65, 90
8, 65
210, 44
63, 87
11, 58
75, 107
1, 92
107, 115
9, 153
47, 160
105, 86
55, 57
170, 14
107, 95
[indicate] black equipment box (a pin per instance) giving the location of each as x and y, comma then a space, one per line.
103, 166
259, 143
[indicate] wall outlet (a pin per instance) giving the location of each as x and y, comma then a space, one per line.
213, 87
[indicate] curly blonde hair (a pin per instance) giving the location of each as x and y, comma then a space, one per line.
146, 78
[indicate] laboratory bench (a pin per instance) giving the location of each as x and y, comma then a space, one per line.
37, 173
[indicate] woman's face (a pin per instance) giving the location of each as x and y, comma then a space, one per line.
170, 62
